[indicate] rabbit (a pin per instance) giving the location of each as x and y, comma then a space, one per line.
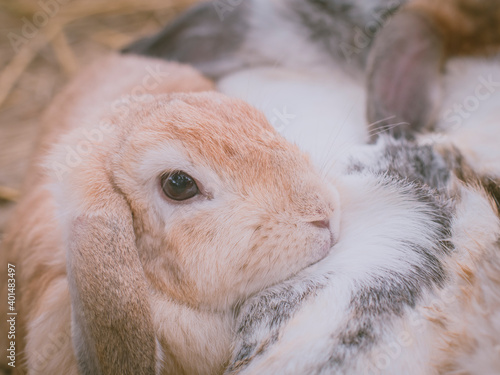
153, 208
407, 58
412, 285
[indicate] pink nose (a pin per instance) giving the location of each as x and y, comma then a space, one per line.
323, 224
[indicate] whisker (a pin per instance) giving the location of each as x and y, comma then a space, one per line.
386, 128
379, 121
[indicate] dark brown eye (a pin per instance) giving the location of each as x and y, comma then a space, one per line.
178, 186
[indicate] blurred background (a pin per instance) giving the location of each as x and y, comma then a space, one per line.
43, 43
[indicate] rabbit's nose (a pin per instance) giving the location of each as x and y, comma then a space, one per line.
326, 224
323, 224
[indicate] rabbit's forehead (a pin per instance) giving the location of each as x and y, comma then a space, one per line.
243, 163
228, 123
236, 142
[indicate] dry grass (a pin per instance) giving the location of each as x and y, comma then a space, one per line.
74, 34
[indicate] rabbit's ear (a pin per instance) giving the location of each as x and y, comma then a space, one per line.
404, 74
206, 36
111, 316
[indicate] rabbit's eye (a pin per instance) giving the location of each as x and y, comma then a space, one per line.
178, 186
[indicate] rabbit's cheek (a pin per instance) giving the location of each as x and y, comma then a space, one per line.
279, 251
325, 244
320, 243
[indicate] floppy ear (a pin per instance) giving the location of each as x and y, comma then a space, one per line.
404, 74
206, 36
111, 318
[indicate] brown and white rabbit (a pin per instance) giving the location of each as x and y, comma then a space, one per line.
154, 216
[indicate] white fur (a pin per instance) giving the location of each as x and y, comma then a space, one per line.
368, 244
328, 109
323, 116
475, 131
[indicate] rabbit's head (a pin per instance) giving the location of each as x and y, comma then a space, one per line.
217, 204
193, 197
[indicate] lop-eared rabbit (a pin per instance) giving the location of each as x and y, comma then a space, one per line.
412, 285
153, 208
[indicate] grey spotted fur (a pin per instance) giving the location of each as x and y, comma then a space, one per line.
424, 174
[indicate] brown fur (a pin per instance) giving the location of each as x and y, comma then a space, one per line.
33, 238
468, 27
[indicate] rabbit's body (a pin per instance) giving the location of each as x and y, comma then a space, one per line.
411, 287
113, 276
